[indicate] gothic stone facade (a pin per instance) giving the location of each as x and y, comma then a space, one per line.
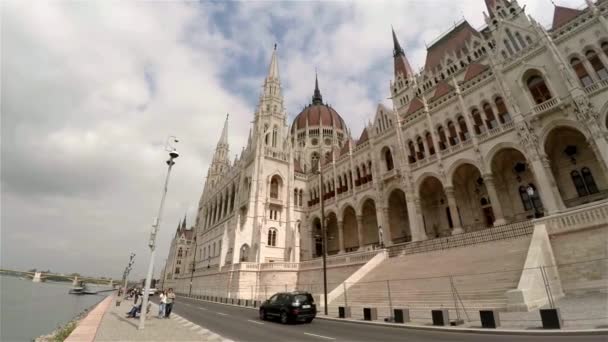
503, 124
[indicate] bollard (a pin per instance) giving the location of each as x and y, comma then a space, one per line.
551, 318
441, 317
255, 303
489, 318
370, 314
401, 315
344, 312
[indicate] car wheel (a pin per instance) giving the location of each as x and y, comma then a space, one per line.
308, 320
284, 317
262, 314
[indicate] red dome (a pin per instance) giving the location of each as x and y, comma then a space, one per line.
318, 115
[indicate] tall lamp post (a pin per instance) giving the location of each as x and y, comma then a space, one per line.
156, 224
193, 266
128, 270
323, 240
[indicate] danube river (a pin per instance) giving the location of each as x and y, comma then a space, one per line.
30, 309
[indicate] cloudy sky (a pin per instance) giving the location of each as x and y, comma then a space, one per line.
91, 89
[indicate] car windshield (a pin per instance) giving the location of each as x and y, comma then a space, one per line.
302, 298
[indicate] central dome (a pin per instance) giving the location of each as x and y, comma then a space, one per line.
318, 114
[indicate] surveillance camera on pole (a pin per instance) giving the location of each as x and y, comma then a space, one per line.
169, 147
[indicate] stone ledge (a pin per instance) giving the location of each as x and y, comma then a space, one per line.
87, 328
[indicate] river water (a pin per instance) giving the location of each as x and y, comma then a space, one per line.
28, 309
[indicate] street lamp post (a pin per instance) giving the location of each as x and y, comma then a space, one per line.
128, 270
193, 266
152, 243
323, 241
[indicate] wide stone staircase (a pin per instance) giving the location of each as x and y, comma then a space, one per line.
470, 274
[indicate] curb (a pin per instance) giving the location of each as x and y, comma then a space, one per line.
481, 331
86, 330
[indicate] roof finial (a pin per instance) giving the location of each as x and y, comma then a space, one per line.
275, 46
317, 98
397, 49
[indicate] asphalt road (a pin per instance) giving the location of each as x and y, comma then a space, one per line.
242, 324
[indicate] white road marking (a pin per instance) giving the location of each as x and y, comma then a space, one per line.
320, 336
221, 313
202, 308
256, 322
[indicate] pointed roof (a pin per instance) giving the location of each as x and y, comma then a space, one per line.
346, 147
317, 98
402, 65
415, 105
491, 5
473, 70
442, 88
184, 222
273, 69
224, 136
451, 43
364, 137
562, 15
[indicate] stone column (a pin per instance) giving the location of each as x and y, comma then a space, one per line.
590, 70
499, 217
548, 192
360, 230
384, 223
449, 192
341, 235
414, 214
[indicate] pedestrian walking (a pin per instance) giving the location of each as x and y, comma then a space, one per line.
169, 302
162, 304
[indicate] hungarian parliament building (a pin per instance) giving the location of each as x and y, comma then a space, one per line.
505, 127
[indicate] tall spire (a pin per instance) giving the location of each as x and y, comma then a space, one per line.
224, 137
184, 223
273, 70
402, 65
397, 50
317, 98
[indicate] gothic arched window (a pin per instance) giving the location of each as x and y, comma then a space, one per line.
538, 89
589, 181
464, 131
274, 136
412, 156
301, 194
429, 143
388, 158
275, 184
272, 237
442, 138
477, 122
581, 72
597, 64
179, 253
503, 113
244, 256
525, 198
490, 118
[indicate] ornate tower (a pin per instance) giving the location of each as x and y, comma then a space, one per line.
220, 162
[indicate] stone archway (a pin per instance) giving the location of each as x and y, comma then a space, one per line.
349, 222
512, 175
473, 200
333, 241
398, 219
435, 210
578, 173
369, 222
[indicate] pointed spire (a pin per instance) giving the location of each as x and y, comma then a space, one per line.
397, 50
224, 137
402, 65
273, 70
317, 98
184, 222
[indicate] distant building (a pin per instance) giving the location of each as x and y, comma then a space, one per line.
177, 261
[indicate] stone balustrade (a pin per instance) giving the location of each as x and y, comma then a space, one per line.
596, 87
589, 216
546, 106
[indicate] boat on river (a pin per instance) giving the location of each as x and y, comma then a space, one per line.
81, 289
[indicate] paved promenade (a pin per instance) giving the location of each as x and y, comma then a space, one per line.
115, 327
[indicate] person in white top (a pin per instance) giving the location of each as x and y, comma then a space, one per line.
162, 304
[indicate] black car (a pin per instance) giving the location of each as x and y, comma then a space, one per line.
289, 307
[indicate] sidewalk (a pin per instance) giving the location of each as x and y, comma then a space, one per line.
116, 327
